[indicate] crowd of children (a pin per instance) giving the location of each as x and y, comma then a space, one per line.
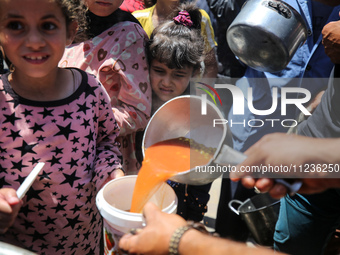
78, 92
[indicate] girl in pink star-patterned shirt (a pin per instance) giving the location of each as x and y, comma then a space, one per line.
60, 116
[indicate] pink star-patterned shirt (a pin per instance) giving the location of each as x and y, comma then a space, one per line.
76, 138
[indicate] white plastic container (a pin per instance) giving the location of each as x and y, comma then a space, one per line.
114, 202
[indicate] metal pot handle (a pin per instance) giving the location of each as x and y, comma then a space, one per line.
230, 205
292, 187
280, 8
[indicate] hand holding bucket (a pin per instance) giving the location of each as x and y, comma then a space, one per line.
114, 202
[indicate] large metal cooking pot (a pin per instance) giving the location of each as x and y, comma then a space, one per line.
266, 34
182, 117
260, 214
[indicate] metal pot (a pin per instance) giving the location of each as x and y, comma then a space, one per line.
260, 214
182, 117
266, 34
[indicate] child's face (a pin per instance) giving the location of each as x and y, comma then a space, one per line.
33, 35
168, 83
103, 8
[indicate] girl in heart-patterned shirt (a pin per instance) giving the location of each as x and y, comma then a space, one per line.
113, 50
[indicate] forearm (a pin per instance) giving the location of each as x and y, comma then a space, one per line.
326, 150
130, 119
281, 149
108, 155
128, 86
194, 242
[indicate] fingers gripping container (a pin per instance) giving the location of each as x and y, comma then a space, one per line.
114, 202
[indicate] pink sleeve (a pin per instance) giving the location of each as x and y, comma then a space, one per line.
125, 76
108, 155
117, 57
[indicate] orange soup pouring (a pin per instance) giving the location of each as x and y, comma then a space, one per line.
164, 160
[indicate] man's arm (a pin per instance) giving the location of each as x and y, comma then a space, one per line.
155, 238
286, 150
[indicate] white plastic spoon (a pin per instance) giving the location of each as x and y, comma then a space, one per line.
29, 180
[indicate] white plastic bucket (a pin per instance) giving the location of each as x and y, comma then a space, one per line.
114, 202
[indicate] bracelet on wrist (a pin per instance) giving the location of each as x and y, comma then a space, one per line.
179, 232
175, 239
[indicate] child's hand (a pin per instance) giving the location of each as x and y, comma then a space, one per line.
9, 207
114, 175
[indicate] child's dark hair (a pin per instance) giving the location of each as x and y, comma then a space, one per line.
73, 10
178, 44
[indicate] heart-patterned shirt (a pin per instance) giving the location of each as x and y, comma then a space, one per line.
117, 57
